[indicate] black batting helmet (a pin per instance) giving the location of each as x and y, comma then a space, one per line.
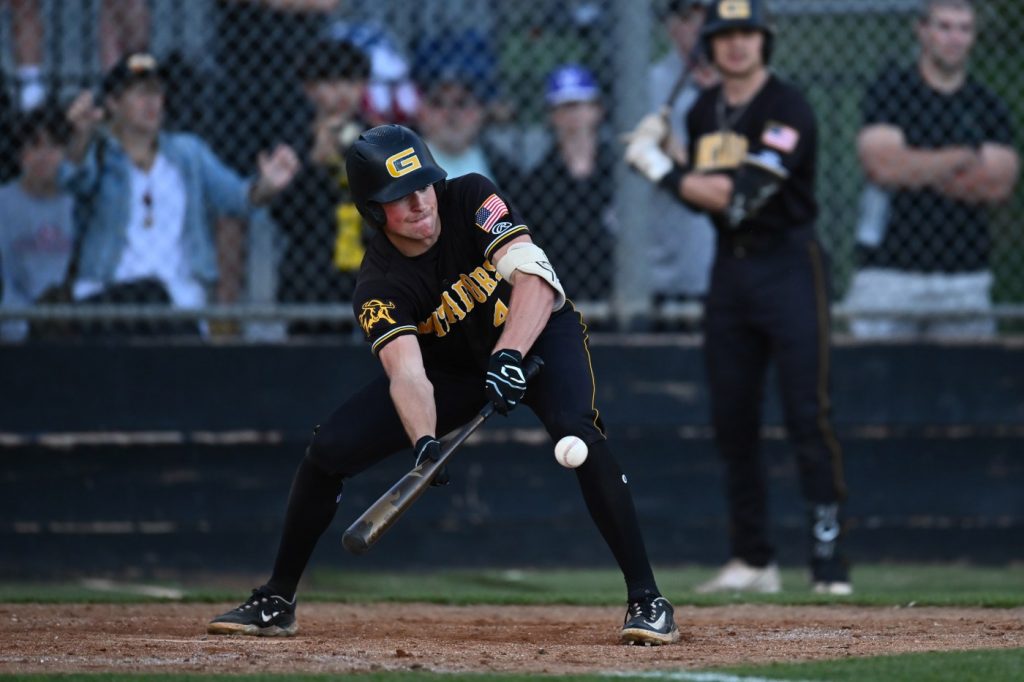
386, 163
726, 15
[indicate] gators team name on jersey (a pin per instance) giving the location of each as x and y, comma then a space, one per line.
470, 290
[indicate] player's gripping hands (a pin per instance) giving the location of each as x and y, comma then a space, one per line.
506, 381
427, 449
645, 152
644, 148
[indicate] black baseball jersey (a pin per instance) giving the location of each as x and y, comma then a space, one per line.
927, 231
777, 121
451, 296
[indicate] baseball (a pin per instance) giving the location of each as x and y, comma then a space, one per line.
571, 452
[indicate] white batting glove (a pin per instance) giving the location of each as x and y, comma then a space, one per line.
646, 156
653, 127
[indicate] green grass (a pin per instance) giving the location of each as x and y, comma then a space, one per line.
877, 585
954, 666
961, 666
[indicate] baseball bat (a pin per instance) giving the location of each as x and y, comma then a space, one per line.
689, 63
382, 514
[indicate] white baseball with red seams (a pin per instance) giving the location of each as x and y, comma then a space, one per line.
571, 452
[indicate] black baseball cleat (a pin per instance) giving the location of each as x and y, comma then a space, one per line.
649, 622
262, 615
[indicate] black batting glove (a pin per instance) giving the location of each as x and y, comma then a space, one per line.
429, 448
506, 381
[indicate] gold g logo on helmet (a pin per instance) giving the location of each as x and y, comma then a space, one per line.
403, 162
734, 9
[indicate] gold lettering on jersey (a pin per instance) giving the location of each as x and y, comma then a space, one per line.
469, 290
452, 308
720, 151
403, 162
466, 282
374, 311
460, 288
734, 9
482, 277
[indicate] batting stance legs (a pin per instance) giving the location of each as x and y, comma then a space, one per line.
366, 429
764, 309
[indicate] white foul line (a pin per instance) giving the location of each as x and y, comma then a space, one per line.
682, 676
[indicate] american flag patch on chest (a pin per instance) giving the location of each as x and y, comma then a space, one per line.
781, 137
490, 212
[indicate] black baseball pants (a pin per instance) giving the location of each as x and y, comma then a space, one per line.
770, 304
366, 429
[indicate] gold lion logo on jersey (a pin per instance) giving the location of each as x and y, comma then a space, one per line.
375, 311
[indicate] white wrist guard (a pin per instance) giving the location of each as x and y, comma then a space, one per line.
531, 259
646, 156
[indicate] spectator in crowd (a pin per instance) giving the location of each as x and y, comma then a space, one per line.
324, 228
145, 198
124, 27
682, 242
27, 34
8, 152
456, 75
391, 95
939, 144
260, 103
753, 159
36, 227
567, 197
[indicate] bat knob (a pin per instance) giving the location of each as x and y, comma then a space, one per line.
354, 542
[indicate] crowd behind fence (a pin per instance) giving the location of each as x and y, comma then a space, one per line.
501, 87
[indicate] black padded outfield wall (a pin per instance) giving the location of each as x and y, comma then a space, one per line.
149, 458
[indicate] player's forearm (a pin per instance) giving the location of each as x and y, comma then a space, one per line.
529, 312
413, 396
708, 192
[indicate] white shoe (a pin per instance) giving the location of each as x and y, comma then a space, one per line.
840, 589
739, 576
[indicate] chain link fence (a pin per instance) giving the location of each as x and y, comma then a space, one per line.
533, 93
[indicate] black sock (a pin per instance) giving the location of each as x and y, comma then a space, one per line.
611, 506
312, 503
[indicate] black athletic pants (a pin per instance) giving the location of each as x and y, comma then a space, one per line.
769, 302
366, 429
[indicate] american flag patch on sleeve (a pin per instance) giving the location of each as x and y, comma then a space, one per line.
490, 212
781, 137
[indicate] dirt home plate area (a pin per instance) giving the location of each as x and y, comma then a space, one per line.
339, 638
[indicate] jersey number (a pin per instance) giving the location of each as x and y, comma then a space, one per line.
500, 312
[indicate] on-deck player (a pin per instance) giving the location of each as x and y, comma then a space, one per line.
751, 166
452, 293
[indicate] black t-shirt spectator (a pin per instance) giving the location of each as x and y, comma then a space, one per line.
572, 219
926, 231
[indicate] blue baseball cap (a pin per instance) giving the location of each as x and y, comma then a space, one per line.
571, 83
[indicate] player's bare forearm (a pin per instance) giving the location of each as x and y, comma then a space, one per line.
410, 389
710, 192
528, 312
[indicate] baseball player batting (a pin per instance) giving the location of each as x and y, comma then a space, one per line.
451, 295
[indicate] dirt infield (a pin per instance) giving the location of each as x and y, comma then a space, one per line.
339, 638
